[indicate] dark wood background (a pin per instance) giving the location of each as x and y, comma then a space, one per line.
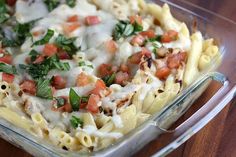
217, 139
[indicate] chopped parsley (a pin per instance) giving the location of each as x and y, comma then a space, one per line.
66, 44
45, 39
74, 100
71, 3
4, 16
125, 29
9, 69
76, 122
109, 80
51, 4
43, 89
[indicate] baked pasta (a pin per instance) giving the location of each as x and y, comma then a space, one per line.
82, 73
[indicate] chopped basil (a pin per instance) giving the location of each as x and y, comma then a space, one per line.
43, 89
84, 99
60, 102
67, 44
76, 122
71, 3
125, 29
52, 4
82, 63
109, 80
4, 16
33, 55
8, 42
74, 100
62, 66
46, 38
22, 31
9, 69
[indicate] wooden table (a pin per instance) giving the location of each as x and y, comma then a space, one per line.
217, 139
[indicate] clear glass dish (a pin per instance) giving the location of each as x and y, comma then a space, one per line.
210, 24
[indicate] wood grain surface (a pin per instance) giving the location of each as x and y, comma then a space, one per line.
217, 139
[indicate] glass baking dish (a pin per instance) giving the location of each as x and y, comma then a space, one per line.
211, 25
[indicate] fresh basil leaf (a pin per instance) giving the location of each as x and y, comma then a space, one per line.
51, 4
4, 16
9, 69
76, 122
74, 100
62, 66
82, 63
43, 89
33, 55
84, 99
8, 42
22, 31
138, 27
109, 80
71, 3
67, 44
60, 102
46, 38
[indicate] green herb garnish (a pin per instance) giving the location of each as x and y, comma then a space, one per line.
43, 89
45, 39
9, 69
51, 4
71, 3
74, 100
109, 80
60, 102
4, 16
84, 99
82, 63
76, 122
33, 55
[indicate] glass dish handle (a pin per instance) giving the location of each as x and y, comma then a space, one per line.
200, 118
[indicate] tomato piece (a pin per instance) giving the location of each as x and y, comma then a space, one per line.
111, 46
138, 40
6, 59
148, 34
63, 55
73, 18
82, 80
169, 36
174, 60
68, 28
39, 59
106, 69
11, 2
124, 68
9, 78
58, 82
28, 86
93, 103
38, 33
135, 18
92, 20
50, 50
67, 107
121, 78
83, 105
99, 86
136, 58
163, 73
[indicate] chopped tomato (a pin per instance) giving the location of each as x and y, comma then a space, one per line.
93, 103
68, 107
92, 20
9, 78
68, 28
124, 68
83, 105
163, 73
28, 86
138, 40
37, 33
136, 58
136, 18
174, 60
121, 78
63, 55
82, 80
111, 46
49, 50
39, 59
6, 59
148, 34
169, 36
73, 18
99, 86
11, 2
58, 82
106, 69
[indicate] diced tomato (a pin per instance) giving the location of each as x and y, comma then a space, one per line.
111, 46
58, 82
73, 18
138, 40
136, 58
121, 78
68, 107
174, 60
6, 59
28, 86
169, 36
83, 105
82, 80
106, 69
11, 2
163, 73
9, 78
37, 33
68, 28
148, 34
49, 50
63, 55
39, 59
124, 68
92, 20
99, 86
93, 103
136, 18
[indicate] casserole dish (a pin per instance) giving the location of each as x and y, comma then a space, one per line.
161, 121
